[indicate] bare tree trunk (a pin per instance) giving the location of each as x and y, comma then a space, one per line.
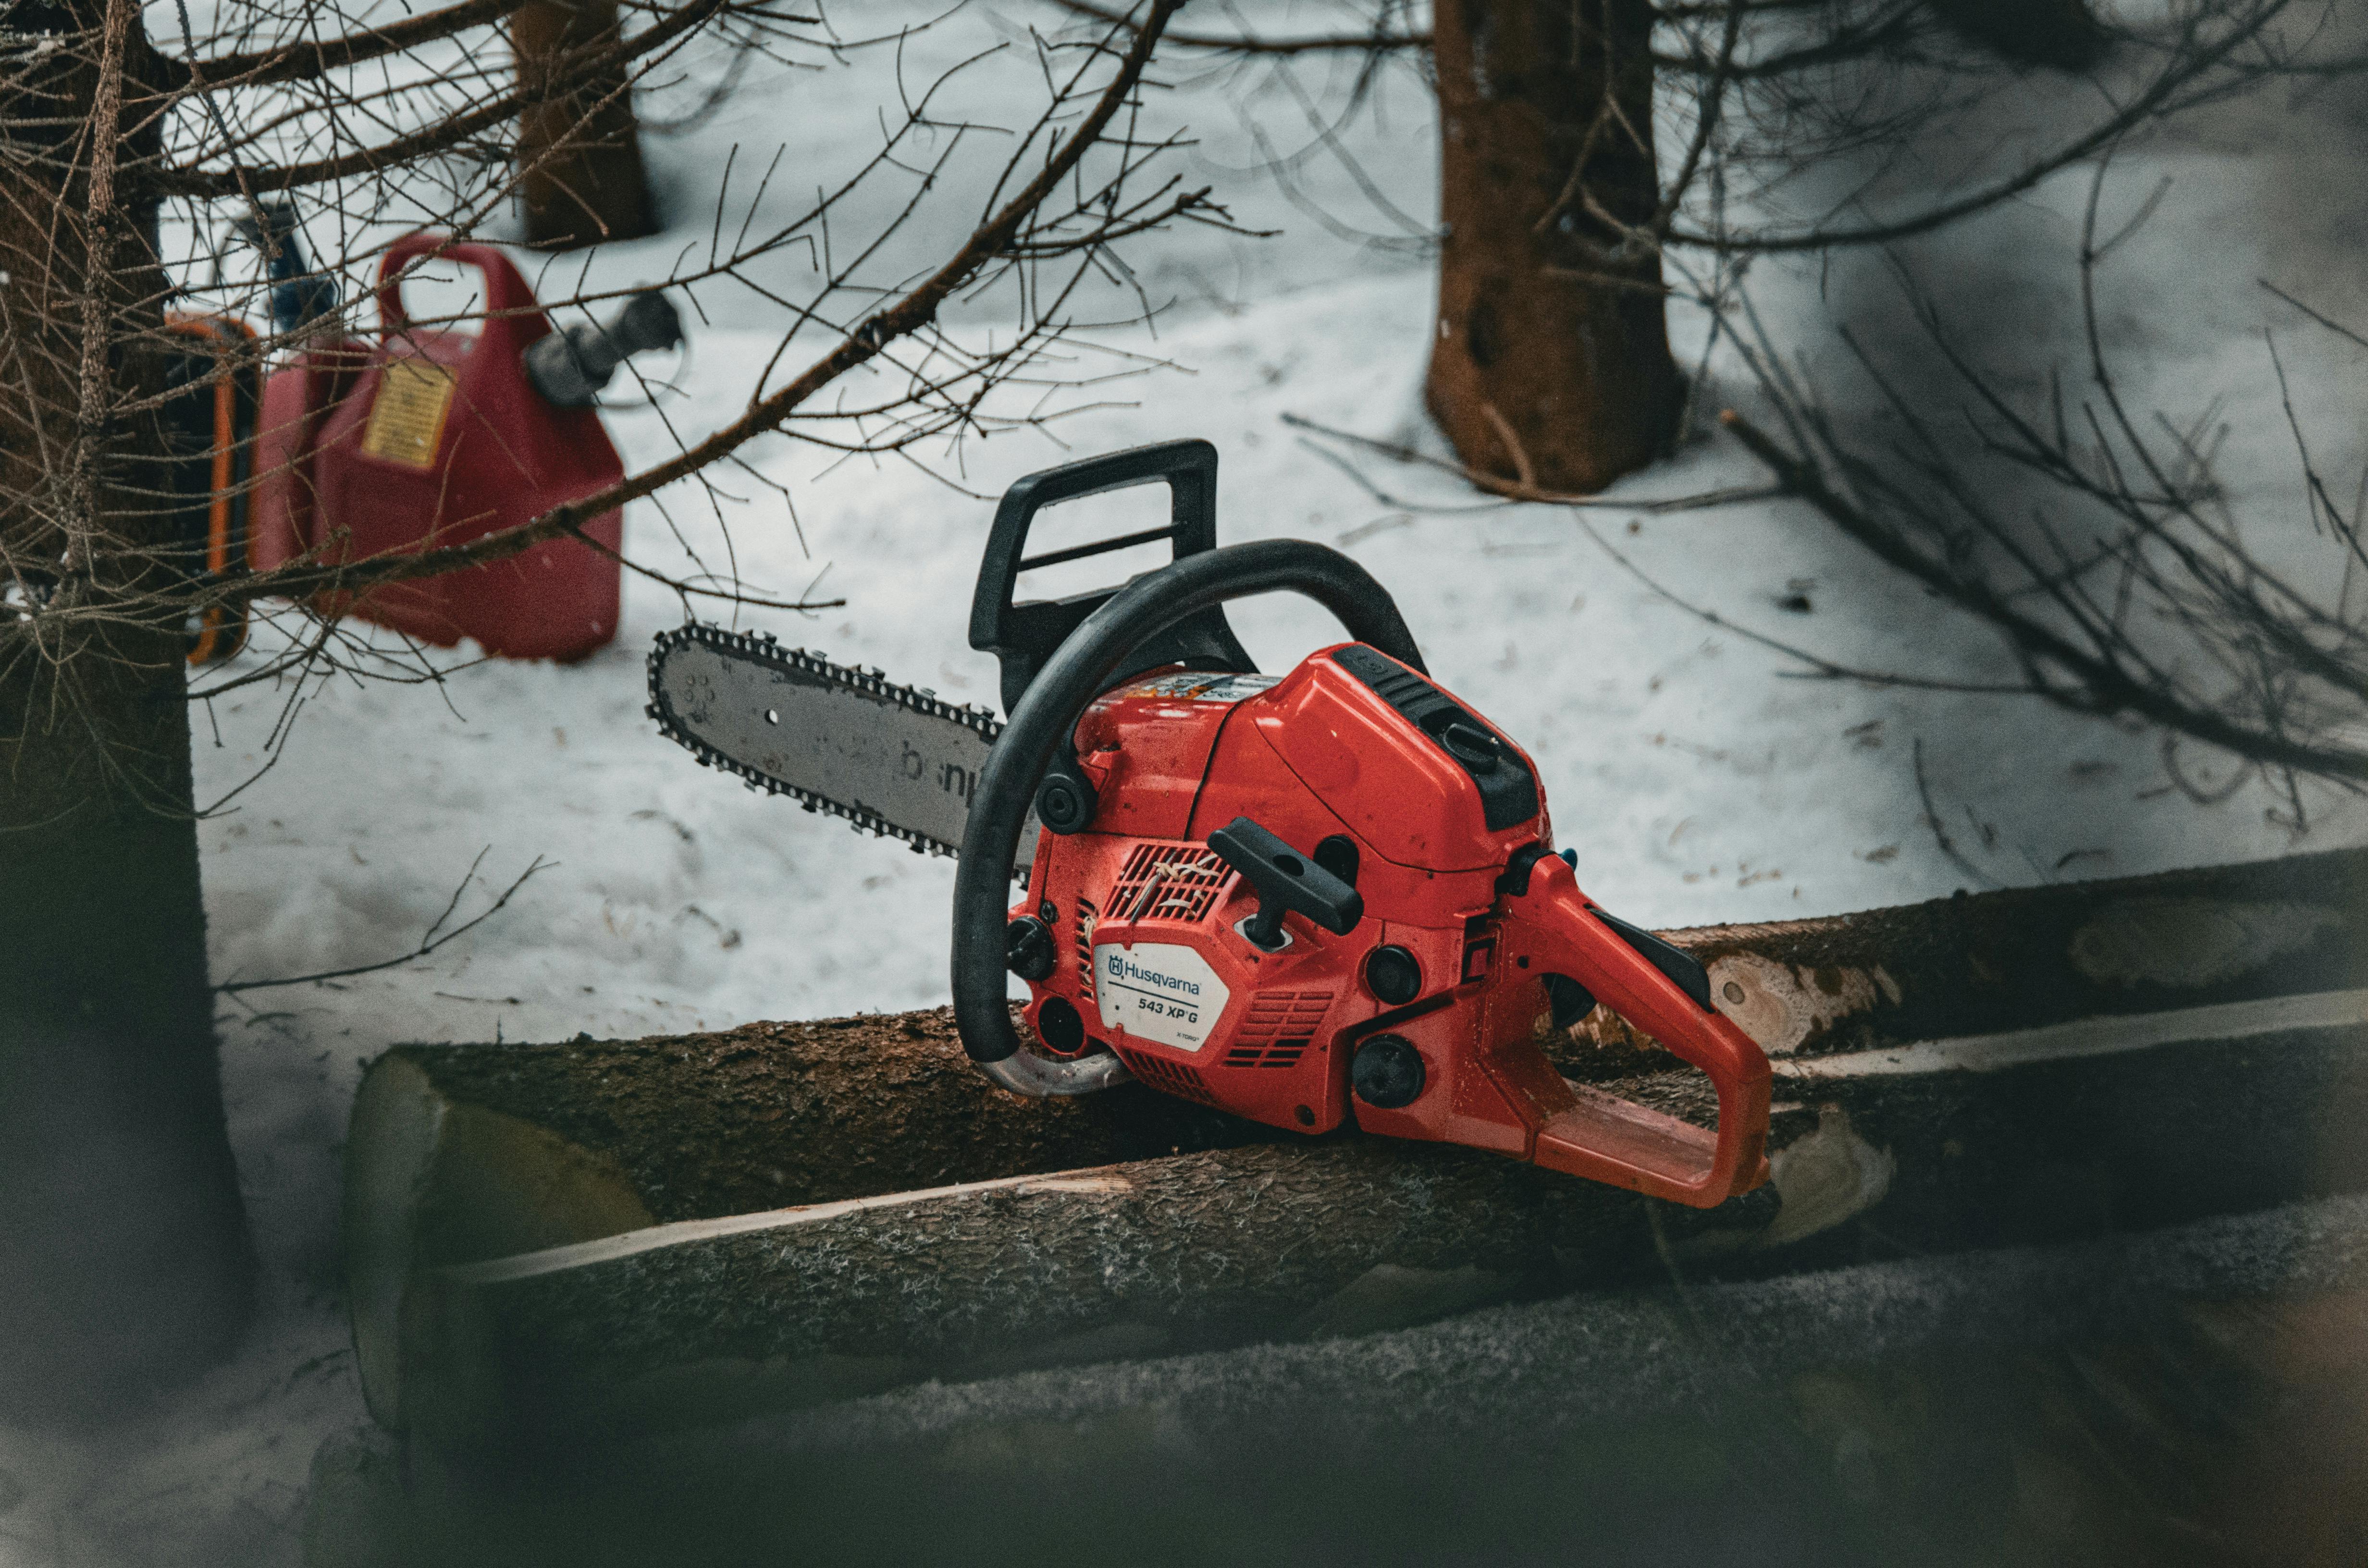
1552, 361
580, 152
123, 1249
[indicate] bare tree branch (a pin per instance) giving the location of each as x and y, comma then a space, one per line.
914, 313
429, 941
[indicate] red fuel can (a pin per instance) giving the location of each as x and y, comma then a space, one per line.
425, 438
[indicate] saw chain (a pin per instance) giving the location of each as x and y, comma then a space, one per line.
791, 722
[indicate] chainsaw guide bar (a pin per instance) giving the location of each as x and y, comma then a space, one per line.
848, 742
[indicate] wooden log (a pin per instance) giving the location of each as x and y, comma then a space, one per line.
1932, 1410
462, 1153
1985, 962
684, 1324
2080, 1130
468, 1153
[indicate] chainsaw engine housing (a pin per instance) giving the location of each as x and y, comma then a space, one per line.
1416, 1020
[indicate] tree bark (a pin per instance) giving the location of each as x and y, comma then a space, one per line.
1551, 364
459, 1154
579, 153
2087, 1402
2222, 1005
123, 1257
703, 1322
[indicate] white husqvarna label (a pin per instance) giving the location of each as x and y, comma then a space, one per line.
1158, 991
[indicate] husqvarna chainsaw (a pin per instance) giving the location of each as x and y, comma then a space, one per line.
1304, 899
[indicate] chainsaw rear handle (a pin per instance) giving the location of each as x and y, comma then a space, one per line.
1045, 719
512, 315
1023, 637
1612, 1140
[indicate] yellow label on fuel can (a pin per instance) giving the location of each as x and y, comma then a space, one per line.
407, 420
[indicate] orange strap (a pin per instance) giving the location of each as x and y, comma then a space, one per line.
224, 631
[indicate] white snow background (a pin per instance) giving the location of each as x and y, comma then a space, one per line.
1697, 782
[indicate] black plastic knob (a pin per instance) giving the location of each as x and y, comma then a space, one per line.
1059, 1027
1028, 950
1338, 855
1394, 975
1569, 999
1387, 1072
1066, 802
1472, 745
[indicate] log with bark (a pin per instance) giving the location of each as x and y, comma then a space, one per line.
2148, 1399
604, 1238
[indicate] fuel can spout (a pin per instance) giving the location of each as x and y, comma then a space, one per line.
1552, 925
572, 366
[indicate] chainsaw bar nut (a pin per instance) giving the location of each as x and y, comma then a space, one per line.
1066, 803
1387, 1072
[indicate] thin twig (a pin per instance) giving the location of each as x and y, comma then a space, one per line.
428, 943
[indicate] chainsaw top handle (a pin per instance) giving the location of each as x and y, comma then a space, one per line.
1043, 722
1023, 637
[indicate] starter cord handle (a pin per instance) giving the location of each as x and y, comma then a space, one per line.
1044, 722
1286, 881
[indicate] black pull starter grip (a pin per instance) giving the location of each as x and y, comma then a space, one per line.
1285, 881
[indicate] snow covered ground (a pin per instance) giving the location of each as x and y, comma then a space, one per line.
1697, 783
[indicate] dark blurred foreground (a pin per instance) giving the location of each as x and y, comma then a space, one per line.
2192, 1395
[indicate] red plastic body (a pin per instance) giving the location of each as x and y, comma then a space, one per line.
425, 438
1150, 952
298, 395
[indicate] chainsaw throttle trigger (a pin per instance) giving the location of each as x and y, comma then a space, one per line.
1286, 881
1568, 1000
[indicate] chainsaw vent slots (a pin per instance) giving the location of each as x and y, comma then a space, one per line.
1170, 1077
1167, 882
1086, 948
1278, 1028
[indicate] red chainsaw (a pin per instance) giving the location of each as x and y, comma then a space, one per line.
1327, 896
